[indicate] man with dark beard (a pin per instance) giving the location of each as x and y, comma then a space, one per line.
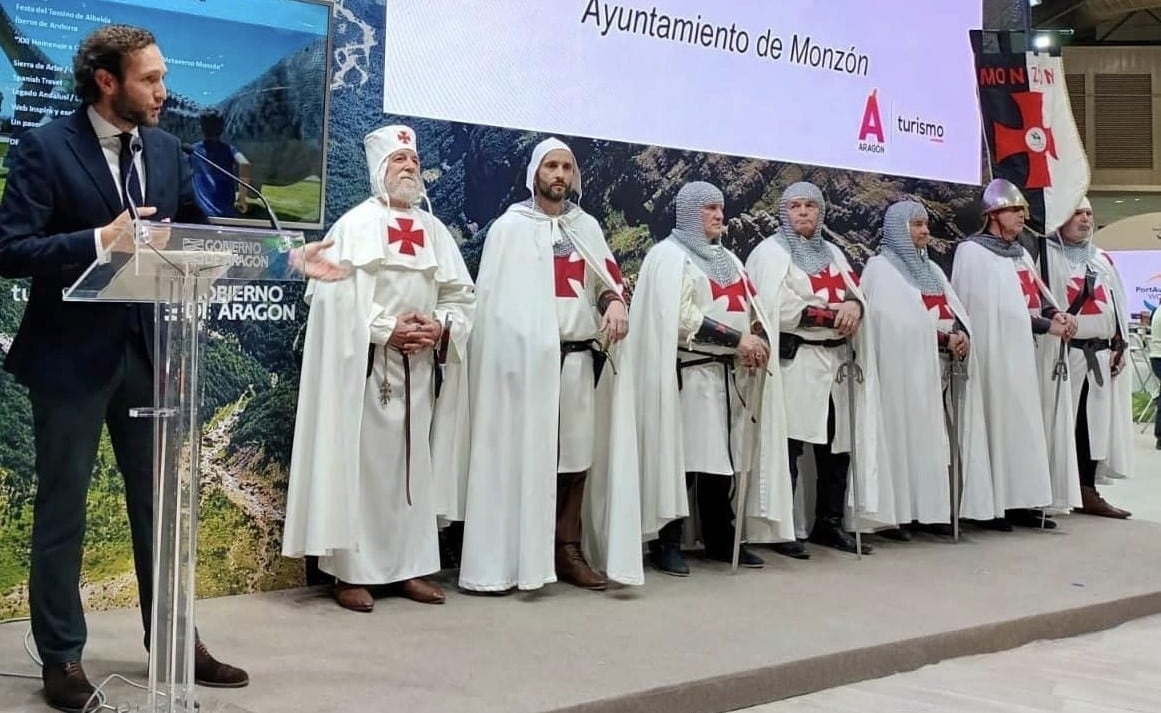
552, 403
87, 364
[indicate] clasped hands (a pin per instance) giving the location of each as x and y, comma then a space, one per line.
1063, 326
415, 332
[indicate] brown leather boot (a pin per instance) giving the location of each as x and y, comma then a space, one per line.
1093, 504
571, 566
353, 597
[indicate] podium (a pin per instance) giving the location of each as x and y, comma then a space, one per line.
174, 267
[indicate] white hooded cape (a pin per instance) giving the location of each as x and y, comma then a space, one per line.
911, 377
760, 430
515, 382
767, 266
324, 465
1002, 342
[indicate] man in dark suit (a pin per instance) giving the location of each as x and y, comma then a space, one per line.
86, 364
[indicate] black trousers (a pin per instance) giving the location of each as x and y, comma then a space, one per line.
715, 510
831, 490
67, 431
1156, 364
1087, 466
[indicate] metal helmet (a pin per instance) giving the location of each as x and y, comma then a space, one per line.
1001, 194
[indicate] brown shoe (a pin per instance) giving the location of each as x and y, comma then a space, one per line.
66, 688
212, 673
422, 591
571, 567
353, 597
1093, 504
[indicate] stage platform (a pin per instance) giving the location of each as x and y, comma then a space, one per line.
712, 642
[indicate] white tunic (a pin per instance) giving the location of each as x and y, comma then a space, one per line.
706, 418
349, 491
576, 313
998, 302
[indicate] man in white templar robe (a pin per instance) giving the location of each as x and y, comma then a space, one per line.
997, 282
806, 283
707, 409
1087, 285
921, 331
552, 480
363, 486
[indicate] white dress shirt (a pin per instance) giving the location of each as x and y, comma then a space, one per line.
107, 136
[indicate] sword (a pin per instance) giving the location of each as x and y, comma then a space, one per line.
956, 373
750, 442
850, 373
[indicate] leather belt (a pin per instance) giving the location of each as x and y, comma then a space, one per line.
1090, 348
727, 363
591, 346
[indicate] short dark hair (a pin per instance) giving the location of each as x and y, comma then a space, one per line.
213, 123
105, 48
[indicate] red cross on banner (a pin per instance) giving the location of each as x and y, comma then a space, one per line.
568, 270
406, 235
831, 283
1092, 304
735, 295
1032, 138
938, 304
1029, 288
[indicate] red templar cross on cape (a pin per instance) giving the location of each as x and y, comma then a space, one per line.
829, 283
1092, 304
735, 294
938, 305
407, 235
568, 270
1029, 288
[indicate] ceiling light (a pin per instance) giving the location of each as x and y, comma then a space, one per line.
1042, 42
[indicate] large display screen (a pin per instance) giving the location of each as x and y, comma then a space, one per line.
248, 84
885, 87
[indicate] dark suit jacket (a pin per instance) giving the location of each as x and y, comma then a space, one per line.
59, 190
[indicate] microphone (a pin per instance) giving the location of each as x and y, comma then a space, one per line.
189, 150
140, 233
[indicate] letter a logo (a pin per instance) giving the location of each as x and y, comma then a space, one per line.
872, 121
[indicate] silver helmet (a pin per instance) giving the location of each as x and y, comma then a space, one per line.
1001, 194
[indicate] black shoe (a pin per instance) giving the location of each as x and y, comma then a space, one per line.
1030, 518
895, 533
1159, 444
998, 524
942, 529
794, 549
831, 534
746, 558
668, 559
66, 688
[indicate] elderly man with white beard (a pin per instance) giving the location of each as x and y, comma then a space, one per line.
552, 485
1083, 277
808, 284
382, 363
921, 332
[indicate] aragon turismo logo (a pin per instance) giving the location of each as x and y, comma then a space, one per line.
872, 137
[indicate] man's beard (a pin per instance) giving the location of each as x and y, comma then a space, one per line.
405, 188
134, 115
551, 193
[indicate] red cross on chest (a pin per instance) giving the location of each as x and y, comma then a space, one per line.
407, 236
1029, 288
568, 270
1092, 304
735, 294
831, 283
938, 304
1032, 138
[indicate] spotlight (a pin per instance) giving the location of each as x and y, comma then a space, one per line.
1042, 42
